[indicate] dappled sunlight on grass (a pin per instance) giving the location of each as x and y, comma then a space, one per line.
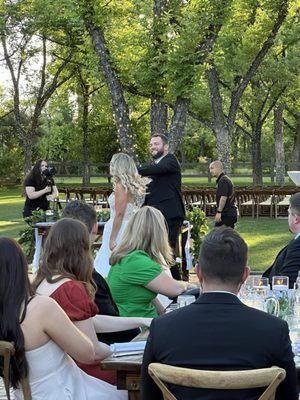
265, 238
7, 223
9, 200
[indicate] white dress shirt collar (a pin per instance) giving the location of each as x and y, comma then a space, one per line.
156, 161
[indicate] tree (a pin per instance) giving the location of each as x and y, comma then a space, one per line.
25, 44
223, 123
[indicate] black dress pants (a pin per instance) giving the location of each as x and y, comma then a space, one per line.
174, 225
227, 221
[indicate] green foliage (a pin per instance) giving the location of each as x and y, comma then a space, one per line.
150, 55
103, 215
198, 219
26, 235
10, 165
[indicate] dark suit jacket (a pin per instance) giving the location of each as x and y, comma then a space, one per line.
107, 306
165, 187
219, 332
287, 263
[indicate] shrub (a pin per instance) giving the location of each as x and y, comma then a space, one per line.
198, 219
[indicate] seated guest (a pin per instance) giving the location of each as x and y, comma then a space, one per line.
287, 262
65, 275
43, 336
218, 331
120, 327
140, 266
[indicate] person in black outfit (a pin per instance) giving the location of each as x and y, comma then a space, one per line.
226, 213
38, 187
103, 297
219, 331
287, 262
165, 189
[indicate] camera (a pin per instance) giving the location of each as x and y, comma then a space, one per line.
48, 173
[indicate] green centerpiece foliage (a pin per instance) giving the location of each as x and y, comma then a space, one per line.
103, 215
198, 219
26, 235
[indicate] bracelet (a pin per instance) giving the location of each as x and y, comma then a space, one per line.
219, 212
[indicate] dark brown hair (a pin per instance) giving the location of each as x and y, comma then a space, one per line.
81, 211
295, 203
162, 136
67, 255
15, 291
223, 256
35, 173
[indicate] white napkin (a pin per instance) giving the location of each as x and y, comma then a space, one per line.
128, 348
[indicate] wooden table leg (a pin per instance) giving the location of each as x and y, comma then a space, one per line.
129, 380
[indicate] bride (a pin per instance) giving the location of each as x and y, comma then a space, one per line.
44, 339
128, 194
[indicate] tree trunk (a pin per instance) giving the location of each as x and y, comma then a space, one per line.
178, 123
223, 140
296, 152
279, 146
159, 116
27, 149
256, 156
86, 177
220, 127
159, 110
120, 107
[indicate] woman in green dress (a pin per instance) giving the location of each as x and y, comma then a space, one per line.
140, 266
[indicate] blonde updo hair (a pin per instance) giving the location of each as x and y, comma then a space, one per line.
147, 231
124, 171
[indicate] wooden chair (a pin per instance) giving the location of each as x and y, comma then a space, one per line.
7, 350
248, 379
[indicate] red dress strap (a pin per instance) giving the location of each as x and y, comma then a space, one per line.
74, 299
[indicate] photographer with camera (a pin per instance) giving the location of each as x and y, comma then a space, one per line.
39, 187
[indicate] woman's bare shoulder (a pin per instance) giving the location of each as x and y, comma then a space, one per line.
41, 304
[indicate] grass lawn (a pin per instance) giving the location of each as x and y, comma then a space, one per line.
264, 236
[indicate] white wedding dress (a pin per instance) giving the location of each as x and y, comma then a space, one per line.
101, 263
53, 375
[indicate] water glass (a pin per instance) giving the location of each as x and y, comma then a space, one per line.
280, 282
280, 289
259, 281
49, 215
294, 327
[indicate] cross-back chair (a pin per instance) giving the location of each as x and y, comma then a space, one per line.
7, 350
247, 379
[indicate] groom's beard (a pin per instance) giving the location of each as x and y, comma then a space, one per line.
157, 155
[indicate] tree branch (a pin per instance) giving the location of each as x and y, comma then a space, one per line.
292, 128
237, 94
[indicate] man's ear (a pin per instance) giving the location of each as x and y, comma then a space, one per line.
245, 275
297, 219
94, 229
199, 272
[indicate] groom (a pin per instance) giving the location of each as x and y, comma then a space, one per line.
164, 191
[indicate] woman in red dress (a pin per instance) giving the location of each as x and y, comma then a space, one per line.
65, 275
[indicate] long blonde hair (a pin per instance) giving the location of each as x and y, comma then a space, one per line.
124, 170
147, 231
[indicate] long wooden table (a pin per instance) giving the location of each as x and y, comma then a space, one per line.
128, 370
